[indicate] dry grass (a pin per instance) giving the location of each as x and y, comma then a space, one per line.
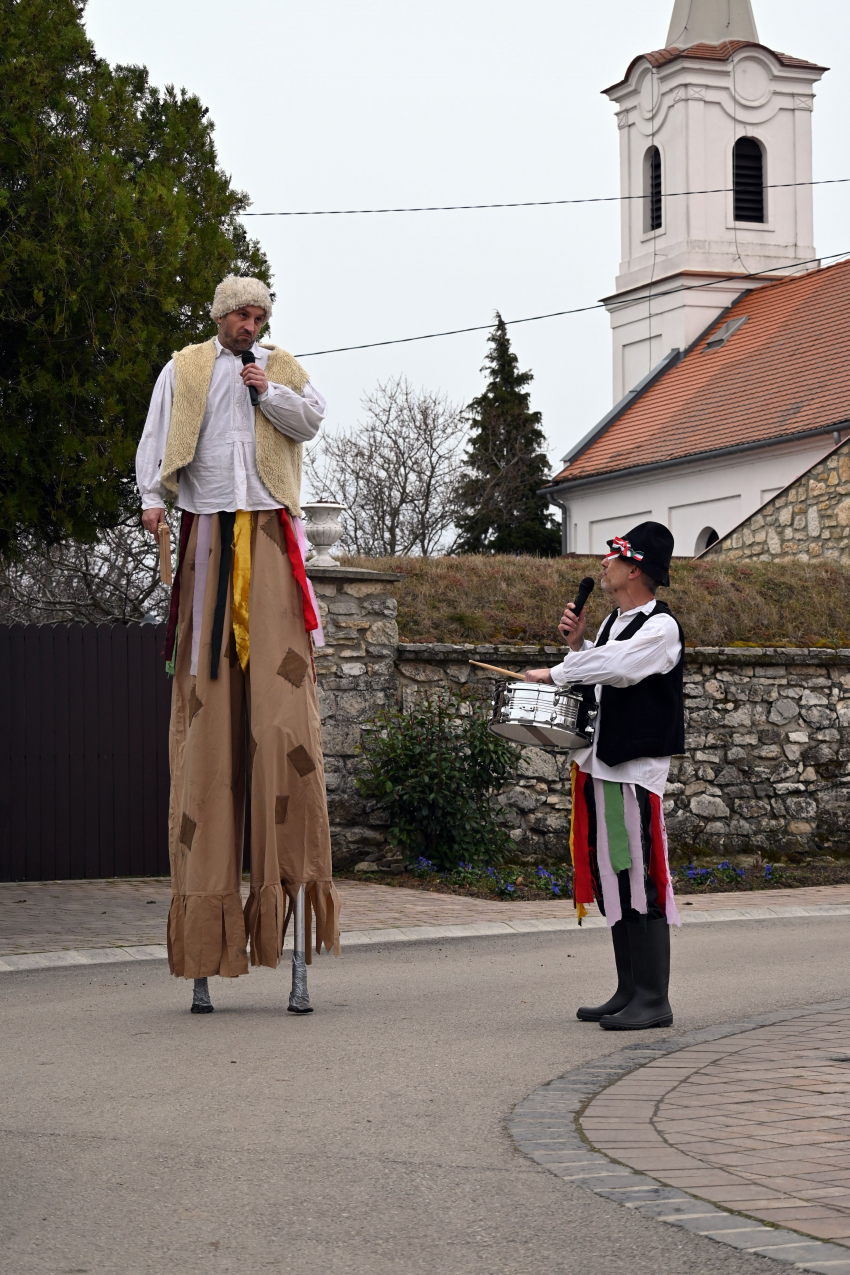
513, 599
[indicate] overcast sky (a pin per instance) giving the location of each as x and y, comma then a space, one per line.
322, 104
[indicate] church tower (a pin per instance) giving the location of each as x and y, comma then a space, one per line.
715, 141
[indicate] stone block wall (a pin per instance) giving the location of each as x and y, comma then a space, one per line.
355, 672
809, 519
767, 768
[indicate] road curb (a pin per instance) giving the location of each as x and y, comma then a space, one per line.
545, 1127
14, 962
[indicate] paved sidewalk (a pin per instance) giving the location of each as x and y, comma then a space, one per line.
758, 1123
65, 916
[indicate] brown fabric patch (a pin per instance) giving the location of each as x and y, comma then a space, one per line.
195, 705
252, 750
274, 531
301, 760
281, 807
293, 667
187, 831
231, 652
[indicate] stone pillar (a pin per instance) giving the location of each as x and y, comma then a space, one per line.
356, 677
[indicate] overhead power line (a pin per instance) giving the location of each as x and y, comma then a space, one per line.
530, 203
556, 314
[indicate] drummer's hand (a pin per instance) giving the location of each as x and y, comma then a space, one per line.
572, 627
538, 675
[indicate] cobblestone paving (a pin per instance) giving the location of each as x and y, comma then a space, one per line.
79, 915
758, 1123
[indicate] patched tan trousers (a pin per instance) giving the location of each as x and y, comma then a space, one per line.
256, 731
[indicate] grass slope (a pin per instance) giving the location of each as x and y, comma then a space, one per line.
520, 599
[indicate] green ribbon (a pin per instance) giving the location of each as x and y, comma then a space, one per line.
615, 823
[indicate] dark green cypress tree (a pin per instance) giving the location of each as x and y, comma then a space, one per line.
506, 464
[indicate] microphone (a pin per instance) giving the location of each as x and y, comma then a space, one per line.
248, 357
584, 591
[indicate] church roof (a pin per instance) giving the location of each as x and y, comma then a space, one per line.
712, 53
783, 373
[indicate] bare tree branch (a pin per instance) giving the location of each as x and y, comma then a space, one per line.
397, 473
113, 581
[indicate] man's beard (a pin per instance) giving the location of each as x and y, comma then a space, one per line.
236, 344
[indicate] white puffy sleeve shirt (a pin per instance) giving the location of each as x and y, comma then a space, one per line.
655, 648
223, 474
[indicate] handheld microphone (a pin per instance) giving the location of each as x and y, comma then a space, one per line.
584, 591
247, 357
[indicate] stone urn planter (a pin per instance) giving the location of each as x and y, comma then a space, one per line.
322, 528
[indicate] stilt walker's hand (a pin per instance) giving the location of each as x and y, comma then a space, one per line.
151, 520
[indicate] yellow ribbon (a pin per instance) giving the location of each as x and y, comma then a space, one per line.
241, 584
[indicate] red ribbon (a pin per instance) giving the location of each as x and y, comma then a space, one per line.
582, 881
311, 620
622, 549
657, 858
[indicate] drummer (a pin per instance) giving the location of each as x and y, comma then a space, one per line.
617, 837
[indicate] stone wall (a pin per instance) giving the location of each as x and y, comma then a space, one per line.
767, 768
810, 519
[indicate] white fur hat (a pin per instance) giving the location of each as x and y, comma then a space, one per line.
234, 291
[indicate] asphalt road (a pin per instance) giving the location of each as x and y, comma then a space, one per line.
369, 1137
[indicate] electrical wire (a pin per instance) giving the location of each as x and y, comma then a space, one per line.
530, 203
556, 314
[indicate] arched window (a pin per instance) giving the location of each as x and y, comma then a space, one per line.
652, 189
706, 538
748, 180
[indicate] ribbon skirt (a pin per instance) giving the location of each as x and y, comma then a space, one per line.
244, 733
618, 844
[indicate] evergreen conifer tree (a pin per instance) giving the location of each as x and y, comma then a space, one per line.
116, 224
506, 464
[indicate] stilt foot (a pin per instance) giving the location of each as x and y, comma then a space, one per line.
201, 1003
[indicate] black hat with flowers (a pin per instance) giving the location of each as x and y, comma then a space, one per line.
650, 546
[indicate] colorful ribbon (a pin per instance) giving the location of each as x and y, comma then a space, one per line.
579, 845
241, 584
311, 620
622, 549
169, 647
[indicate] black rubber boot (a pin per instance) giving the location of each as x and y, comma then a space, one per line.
625, 984
649, 944
201, 1003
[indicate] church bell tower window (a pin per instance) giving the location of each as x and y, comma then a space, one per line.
748, 180
652, 189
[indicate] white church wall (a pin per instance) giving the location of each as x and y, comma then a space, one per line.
688, 499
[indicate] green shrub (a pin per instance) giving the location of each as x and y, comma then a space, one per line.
435, 771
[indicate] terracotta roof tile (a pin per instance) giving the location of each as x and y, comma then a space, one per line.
784, 372
712, 53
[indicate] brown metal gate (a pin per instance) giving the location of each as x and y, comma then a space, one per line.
83, 751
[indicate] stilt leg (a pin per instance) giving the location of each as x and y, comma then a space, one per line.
201, 1003
299, 997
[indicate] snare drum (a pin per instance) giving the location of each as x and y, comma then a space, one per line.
554, 717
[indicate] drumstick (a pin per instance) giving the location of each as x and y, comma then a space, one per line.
517, 677
164, 537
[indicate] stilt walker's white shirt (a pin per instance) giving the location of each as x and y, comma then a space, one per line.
655, 648
223, 475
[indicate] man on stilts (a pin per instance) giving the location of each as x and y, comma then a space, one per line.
223, 438
618, 838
